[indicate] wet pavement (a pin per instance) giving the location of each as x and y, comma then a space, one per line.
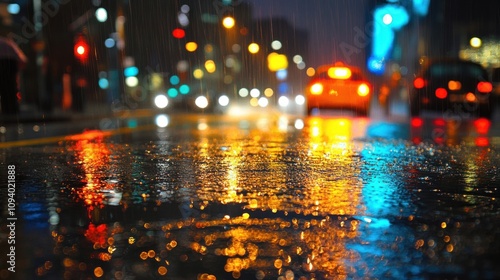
271, 197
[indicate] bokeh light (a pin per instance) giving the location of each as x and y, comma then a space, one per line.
223, 100
243, 92
253, 48
161, 101
101, 14
132, 81
255, 92
210, 66
228, 22
198, 73
276, 45
475, 42
191, 46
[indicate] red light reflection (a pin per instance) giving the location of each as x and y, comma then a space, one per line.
482, 141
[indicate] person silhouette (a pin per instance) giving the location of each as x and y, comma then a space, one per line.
12, 59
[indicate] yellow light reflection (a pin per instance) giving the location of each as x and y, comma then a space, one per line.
210, 66
330, 145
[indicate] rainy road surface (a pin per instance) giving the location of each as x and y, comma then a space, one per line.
205, 197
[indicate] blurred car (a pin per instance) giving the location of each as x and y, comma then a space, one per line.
338, 87
452, 84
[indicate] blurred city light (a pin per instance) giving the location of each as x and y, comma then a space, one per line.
130, 71
185, 8
201, 102
103, 83
13, 9
263, 102
276, 45
131, 81
297, 59
268, 92
198, 73
421, 7
183, 19
230, 61
387, 19
210, 66
178, 33
109, 43
223, 100
101, 14
300, 99
283, 87
243, 92
310, 71
228, 22
394, 16
174, 80
254, 102
208, 48
184, 89
255, 92
299, 124
376, 65
182, 66
81, 49
191, 46
475, 42
162, 120
236, 48
281, 74
277, 61
253, 48
172, 92
161, 101
283, 101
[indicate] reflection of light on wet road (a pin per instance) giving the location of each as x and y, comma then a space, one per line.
268, 197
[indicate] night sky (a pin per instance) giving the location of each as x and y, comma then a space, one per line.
329, 24
332, 24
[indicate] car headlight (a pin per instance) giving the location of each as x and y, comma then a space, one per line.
317, 88
363, 90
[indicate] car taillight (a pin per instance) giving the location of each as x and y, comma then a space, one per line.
482, 125
484, 87
363, 90
419, 83
317, 88
417, 122
441, 93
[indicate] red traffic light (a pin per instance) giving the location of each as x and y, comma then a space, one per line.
81, 49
